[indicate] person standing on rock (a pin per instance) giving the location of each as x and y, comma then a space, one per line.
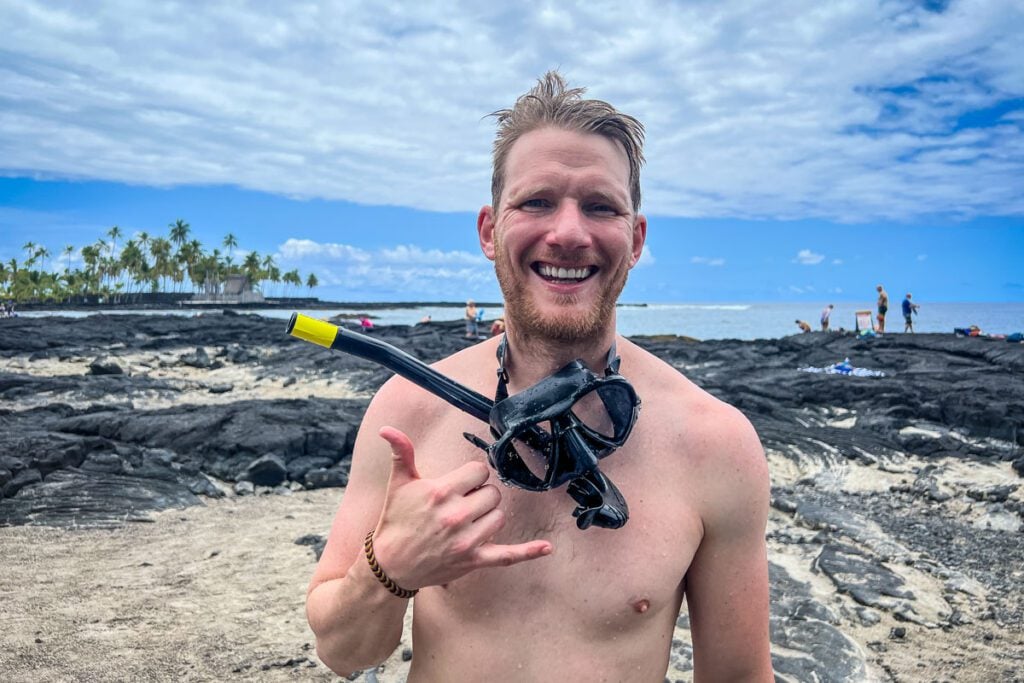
826, 313
883, 307
509, 583
471, 320
909, 311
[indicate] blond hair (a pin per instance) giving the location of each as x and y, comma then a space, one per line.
552, 103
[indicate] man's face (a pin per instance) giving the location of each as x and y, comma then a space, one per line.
564, 235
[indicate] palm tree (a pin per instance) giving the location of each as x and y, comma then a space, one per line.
230, 243
179, 232
30, 250
134, 263
188, 257
160, 248
143, 239
114, 233
312, 282
292, 277
69, 249
251, 267
268, 268
43, 253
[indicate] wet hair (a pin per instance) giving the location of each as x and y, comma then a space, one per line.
553, 103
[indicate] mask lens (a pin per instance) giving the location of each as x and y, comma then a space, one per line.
533, 459
606, 411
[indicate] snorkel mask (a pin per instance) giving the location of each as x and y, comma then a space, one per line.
555, 432
548, 435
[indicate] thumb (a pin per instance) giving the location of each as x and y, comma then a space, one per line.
403, 457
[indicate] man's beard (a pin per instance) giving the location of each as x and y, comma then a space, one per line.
524, 316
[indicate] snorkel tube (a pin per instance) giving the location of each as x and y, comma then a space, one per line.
401, 363
599, 501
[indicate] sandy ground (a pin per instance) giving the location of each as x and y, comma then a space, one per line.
246, 381
216, 593
204, 594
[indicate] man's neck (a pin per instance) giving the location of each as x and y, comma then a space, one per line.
529, 359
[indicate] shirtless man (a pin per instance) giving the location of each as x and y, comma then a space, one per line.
883, 307
826, 314
509, 587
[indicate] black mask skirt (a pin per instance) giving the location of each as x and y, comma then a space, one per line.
547, 435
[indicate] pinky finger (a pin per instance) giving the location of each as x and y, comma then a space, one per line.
492, 555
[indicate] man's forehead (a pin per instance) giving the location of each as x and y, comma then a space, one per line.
551, 156
572, 146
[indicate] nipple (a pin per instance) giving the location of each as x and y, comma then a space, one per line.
642, 605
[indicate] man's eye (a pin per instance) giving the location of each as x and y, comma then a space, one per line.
535, 204
604, 210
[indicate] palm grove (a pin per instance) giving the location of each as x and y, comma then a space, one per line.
143, 263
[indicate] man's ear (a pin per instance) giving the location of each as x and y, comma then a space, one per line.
485, 230
639, 238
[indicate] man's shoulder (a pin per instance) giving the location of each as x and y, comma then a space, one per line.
709, 423
658, 377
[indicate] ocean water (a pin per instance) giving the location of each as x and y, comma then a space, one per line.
702, 320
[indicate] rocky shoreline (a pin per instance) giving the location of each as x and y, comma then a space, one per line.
897, 510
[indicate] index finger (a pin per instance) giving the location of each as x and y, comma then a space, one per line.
467, 477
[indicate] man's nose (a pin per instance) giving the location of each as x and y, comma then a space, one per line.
568, 229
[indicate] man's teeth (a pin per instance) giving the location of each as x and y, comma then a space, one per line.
554, 273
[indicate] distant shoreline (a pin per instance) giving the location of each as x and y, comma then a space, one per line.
305, 303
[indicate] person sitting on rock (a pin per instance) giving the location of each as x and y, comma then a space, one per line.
803, 325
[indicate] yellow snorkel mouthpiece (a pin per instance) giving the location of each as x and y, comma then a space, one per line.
312, 330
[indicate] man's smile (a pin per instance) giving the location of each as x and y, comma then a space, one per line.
562, 274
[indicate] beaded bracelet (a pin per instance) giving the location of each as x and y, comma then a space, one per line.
393, 587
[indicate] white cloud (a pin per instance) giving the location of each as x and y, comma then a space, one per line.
708, 261
754, 109
299, 249
837, 262
808, 257
412, 254
646, 257
400, 272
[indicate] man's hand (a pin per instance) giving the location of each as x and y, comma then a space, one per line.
432, 531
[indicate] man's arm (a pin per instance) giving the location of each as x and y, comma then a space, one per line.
427, 532
727, 582
357, 622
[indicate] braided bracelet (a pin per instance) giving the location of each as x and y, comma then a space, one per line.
393, 587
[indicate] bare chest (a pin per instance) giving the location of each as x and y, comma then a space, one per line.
604, 580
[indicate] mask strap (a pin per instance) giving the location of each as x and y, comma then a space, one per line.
501, 393
612, 366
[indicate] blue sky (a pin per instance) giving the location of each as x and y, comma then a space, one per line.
798, 151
